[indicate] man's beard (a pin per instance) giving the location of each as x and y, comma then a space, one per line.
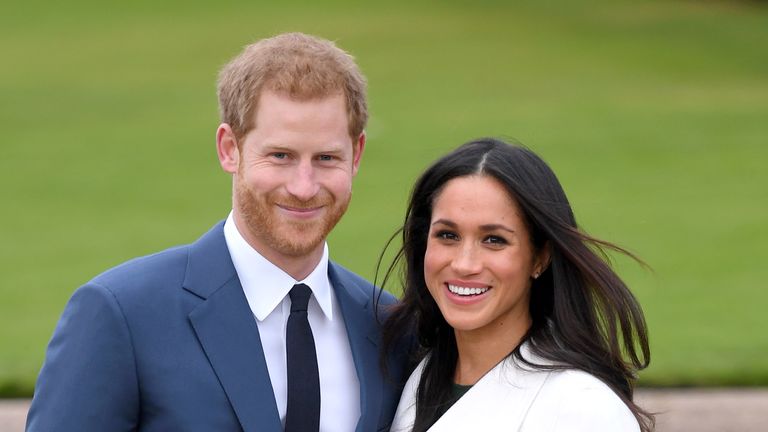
295, 238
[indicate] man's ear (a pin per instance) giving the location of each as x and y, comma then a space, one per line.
357, 152
226, 147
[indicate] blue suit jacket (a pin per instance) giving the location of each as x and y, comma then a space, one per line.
168, 342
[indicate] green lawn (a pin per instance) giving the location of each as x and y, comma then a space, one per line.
654, 115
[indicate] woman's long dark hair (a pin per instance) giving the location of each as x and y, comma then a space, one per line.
583, 316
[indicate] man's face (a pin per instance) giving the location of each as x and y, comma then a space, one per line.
294, 175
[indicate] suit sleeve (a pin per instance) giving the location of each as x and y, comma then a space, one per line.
88, 381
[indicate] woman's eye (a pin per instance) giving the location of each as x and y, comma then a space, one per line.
496, 240
446, 235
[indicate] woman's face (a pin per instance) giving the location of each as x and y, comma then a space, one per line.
479, 260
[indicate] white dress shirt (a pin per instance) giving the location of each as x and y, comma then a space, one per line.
266, 287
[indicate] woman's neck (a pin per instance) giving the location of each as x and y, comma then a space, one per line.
480, 350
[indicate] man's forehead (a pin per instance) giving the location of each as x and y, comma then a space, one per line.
269, 92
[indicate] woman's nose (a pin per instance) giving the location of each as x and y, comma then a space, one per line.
467, 260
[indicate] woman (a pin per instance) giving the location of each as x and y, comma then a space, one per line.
522, 324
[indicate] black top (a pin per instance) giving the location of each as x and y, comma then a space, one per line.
457, 391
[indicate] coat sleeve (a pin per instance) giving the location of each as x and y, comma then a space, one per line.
88, 381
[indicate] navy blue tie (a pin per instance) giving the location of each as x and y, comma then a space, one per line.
303, 411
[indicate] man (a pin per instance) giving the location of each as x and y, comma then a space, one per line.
200, 337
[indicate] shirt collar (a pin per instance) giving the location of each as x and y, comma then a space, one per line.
265, 284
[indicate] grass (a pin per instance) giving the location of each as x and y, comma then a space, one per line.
652, 113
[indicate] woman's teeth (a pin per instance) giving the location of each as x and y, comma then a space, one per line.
464, 291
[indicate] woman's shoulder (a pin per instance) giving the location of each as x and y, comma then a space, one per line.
573, 400
576, 383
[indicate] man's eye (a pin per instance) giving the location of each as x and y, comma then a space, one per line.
325, 158
279, 155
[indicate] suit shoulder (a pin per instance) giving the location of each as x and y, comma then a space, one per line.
146, 271
360, 285
348, 276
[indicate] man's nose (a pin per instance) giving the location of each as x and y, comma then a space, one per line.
303, 183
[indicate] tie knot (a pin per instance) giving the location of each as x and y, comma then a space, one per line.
300, 294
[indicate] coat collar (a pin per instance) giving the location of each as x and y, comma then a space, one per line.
501, 397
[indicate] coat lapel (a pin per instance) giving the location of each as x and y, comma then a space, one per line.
364, 338
227, 331
501, 398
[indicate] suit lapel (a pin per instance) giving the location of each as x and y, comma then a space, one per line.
228, 333
364, 338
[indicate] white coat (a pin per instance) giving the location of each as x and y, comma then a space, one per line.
512, 397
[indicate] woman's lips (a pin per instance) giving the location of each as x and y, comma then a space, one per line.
466, 292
